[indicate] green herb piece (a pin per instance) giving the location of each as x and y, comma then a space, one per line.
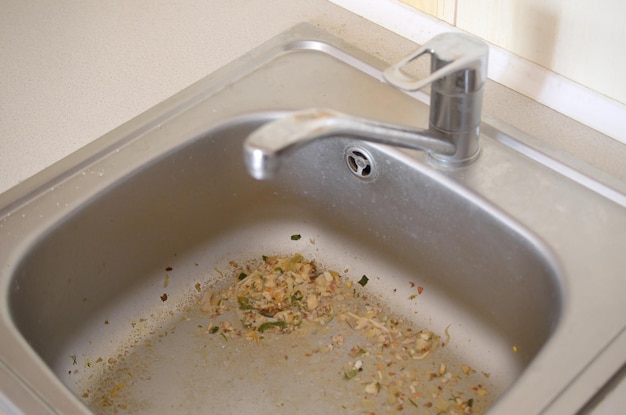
74, 362
214, 329
363, 280
264, 258
350, 373
470, 402
296, 237
412, 403
244, 303
270, 324
242, 276
297, 296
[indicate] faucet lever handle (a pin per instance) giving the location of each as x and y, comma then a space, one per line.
451, 53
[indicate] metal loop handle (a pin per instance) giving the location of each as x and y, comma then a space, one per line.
451, 52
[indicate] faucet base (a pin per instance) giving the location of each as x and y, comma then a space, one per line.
446, 161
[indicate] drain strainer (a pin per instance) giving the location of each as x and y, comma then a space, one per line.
360, 162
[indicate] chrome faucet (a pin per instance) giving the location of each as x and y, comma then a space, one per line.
458, 75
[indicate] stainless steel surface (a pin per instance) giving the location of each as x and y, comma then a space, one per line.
459, 73
265, 147
513, 253
458, 76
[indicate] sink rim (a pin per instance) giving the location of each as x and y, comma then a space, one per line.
543, 252
298, 38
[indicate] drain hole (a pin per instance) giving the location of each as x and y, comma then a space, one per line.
360, 162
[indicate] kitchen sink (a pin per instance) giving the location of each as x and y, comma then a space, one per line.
518, 256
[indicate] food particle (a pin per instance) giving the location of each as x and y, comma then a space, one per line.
350, 373
164, 297
363, 281
481, 391
312, 302
372, 388
394, 365
355, 351
447, 333
515, 349
296, 237
286, 290
270, 324
116, 389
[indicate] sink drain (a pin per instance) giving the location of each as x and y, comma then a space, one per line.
360, 162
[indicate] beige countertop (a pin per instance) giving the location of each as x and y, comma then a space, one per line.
73, 71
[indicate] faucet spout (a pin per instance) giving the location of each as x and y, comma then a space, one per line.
266, 146
458, 74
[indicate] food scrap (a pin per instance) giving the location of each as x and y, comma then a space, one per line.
363, 280
392, 364
278, 295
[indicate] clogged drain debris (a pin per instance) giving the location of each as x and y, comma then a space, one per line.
393, 365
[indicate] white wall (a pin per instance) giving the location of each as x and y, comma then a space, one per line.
567, 54
583, 40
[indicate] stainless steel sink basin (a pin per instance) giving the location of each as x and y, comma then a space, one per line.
520, 257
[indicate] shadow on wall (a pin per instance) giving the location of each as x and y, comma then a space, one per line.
534, 32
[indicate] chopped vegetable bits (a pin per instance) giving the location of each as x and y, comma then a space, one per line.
391, 365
